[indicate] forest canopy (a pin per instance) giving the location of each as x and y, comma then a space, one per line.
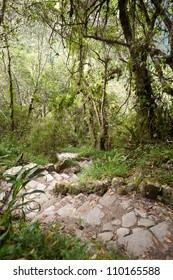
86, 72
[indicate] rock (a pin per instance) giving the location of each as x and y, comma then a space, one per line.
61, 187
107, 200
66, 211
105, 236
141, 213
50, 167
129, 219
136, 177
64, 156
99, 187
94, 217
150, 190
49, 178
146, 223
162, 231
56, 176
167, 194
138, 243
122, 190
108, 227
132, 187
116, 183
121, 232
116, 222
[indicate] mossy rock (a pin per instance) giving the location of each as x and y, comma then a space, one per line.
61, 188
122, 190
150, 189
63, 164
98, 187
64, 188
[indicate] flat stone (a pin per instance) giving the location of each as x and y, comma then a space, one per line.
49, 203
50, 209
116, 222
66, 211
137, 243
129, 219
13, 171
105, 236
63, 156
41, 187
32, 184
56, 176
108, 227
49, 178
137, 229
141, 213
94, 217
161, 231
146, 223
121, 232
107, 200
65, 176
126, 204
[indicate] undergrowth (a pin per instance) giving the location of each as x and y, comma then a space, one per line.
33, 242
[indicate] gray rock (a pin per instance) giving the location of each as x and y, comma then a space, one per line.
146, 223
137, 243
129, 219
107, 200
121, 232
162, 231
150, 190
105, 236
116, 222
94, 217
108, 227
66, 211
132, 186
56, 176
141, 213
115, 183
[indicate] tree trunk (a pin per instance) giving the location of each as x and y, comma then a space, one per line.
143, 83
11, 89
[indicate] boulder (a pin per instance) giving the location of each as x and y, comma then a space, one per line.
122, 190
167, 194
150, 190
116, 183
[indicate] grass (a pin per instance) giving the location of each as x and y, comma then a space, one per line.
106, 165
155, 161
34, 242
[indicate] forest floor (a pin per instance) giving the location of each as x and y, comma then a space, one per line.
138, 227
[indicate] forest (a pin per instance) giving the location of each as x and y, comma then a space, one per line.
86, 77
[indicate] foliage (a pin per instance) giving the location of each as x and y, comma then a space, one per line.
155, 160
35, 242
16, 200
108, 165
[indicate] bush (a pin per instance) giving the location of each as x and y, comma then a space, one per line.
32, 242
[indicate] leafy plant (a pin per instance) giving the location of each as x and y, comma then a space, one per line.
14, 199
108, 165
33, 242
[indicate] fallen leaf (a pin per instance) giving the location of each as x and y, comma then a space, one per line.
167, 239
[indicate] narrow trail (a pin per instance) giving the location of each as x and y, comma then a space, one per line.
140, 227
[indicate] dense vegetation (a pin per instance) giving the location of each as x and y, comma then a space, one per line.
94, 76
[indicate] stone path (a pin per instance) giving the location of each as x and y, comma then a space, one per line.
142, 228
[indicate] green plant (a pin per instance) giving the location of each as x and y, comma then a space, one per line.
15, 199
107, 165
35, 242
